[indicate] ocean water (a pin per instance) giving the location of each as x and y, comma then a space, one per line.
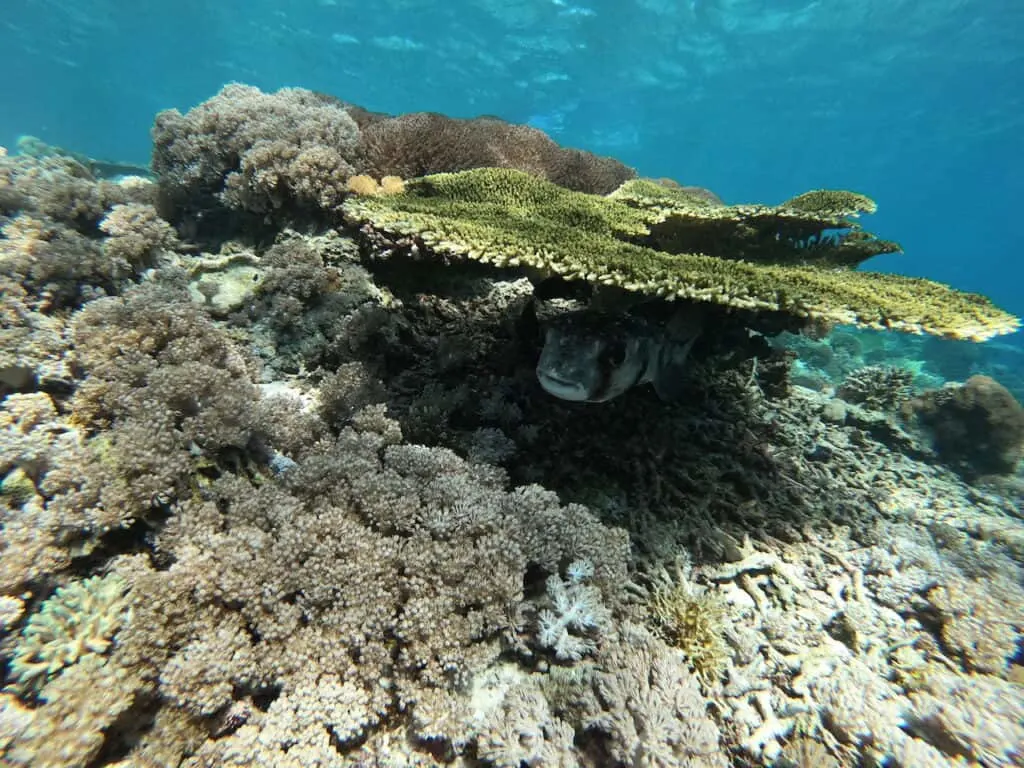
278, 488
918, 104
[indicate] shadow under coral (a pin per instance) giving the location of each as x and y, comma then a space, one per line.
731, 458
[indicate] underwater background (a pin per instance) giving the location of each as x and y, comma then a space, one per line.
511, 385
919, 104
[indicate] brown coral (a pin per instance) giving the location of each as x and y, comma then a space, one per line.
422, 143
978, 426
282, 153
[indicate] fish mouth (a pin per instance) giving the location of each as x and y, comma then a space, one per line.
563, 389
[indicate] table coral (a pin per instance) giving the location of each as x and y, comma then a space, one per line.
507, 218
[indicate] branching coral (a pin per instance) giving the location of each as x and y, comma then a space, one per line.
510, 219
879, 387
286, 152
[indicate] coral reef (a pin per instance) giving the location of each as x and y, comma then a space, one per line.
245, 157
300, 500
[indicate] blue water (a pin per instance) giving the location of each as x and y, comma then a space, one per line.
919, 104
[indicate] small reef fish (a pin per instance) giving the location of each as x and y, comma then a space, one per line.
592, 357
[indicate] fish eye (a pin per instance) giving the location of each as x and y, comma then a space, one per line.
613, 353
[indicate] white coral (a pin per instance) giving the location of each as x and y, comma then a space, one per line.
577, 608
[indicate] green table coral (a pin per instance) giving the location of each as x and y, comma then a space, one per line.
660, 240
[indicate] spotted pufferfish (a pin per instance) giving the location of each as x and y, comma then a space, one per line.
592, 356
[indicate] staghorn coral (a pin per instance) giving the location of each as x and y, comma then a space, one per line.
881, 388
510, 219
977, 426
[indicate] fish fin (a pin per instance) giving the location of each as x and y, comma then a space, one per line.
669, 380
686, 323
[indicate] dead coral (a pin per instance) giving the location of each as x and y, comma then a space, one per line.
980, 621
975, 716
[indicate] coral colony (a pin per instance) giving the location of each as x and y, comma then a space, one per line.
329, 443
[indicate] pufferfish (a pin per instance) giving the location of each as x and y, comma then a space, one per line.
592, 357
